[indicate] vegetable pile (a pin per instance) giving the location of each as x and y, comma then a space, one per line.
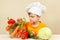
17, 29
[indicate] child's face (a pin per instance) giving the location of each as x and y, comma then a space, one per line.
33, 17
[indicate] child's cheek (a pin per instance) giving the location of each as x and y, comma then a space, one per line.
33, 19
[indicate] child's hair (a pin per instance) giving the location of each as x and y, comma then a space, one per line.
36, 15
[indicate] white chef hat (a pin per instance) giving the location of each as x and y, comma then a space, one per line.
36, 8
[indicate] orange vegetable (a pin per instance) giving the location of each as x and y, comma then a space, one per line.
19, 20
23, 28
17, 34
8, 27
14, 32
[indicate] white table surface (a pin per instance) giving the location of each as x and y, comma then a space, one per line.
6, 37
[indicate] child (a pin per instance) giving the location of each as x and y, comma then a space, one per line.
34, 11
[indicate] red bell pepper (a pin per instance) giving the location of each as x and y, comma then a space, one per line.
23, 34
11, 21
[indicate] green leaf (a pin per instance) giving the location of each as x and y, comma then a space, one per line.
8, 18
14, 25
24, 19
35, 37
11, 30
